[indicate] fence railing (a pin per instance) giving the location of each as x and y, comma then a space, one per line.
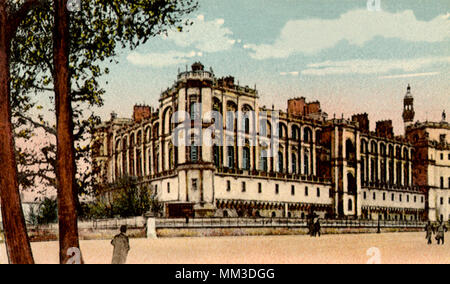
161, 223
101, 224
280, 222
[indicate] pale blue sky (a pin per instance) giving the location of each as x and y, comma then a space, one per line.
351, 59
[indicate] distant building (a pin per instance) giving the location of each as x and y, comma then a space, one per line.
270, 163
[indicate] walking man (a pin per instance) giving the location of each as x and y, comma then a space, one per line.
429, 230
121, 246
317, 228
441, 229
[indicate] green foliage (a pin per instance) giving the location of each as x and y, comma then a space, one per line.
45, 213
128, 200
98, 30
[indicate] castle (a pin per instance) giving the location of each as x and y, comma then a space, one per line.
264, 162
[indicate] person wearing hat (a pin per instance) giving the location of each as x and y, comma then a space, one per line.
121, 245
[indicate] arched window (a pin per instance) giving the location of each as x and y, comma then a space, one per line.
307, 136
363, 172
399, 173
217, 156
124, 157
217, 105
373, 148
281, 130
194, 151
295, 132
306, 163
132, 156
231, 116
195, 110
230, 156
280, 162
117, 162
171, 156
263, 128
246, 122
263, 160
349, 150
246, 158
294, 163
351, 184
247, 111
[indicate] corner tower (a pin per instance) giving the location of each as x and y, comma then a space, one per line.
408, 108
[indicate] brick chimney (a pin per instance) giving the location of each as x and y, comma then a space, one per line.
141, 112
363, 121
297, 106
385, 129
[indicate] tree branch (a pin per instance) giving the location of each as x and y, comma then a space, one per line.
17, 17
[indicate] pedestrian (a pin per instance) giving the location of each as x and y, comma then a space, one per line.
441, 229
121, 245
312, 232
317, 228
429, 230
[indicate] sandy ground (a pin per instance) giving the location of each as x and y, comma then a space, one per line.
393, 248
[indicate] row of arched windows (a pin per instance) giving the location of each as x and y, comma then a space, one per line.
383, 150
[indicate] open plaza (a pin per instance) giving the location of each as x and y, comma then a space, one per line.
389, 248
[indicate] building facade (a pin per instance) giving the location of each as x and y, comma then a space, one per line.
211, 149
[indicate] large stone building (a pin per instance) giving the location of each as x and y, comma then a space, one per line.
211, 149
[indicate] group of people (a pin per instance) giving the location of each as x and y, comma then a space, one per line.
439, 230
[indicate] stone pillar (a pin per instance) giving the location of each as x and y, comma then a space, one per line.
151, 228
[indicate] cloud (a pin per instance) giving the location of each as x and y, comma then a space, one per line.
206, 36
410, 75
294, 73
161, 59
357, 27
371, 66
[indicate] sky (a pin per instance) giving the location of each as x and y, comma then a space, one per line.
351, 56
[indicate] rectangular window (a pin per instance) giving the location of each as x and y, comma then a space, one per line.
442, 182
331, 193
156, 189
415, 199
243, 186
442, 200
277, 189
365, 195
422, 200
374, 196
384, 196
306, 191
259, 188
401, 198
194, 184
292, 190
318, 192
393, 197
168, 187
407, 198
228, 185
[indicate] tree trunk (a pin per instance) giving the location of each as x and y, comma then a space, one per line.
17, 242
65, 172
